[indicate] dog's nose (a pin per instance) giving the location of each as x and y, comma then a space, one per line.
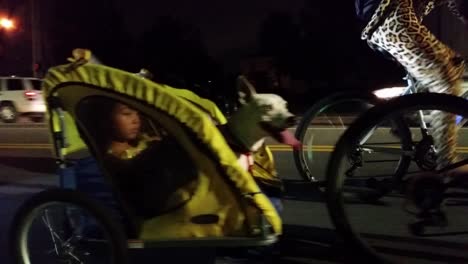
291, 121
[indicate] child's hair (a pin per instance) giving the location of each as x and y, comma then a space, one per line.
95, 113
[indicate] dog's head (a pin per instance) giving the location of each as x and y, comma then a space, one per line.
268, 111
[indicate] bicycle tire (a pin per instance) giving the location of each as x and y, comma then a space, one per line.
25, 215
333, 100
336, 179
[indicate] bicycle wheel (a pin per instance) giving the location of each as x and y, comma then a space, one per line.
383, 232
63, 226
324, 122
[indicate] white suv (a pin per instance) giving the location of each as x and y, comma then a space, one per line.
21, 96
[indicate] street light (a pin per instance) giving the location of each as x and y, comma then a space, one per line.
6, 23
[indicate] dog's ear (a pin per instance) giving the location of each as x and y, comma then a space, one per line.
245, 89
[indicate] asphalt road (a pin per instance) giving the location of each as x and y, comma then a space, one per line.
26, 167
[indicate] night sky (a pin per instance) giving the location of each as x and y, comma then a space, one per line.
329, 53
224, 24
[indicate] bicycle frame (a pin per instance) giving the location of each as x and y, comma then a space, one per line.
410, 89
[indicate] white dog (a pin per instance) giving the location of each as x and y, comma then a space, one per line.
260, 116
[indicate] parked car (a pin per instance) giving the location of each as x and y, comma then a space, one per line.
21, 96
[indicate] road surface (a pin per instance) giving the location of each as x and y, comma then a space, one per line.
26, 167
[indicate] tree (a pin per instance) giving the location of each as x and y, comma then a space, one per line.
99, 28
332, 41
174, 51
279, 34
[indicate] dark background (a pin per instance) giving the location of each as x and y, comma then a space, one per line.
302, 50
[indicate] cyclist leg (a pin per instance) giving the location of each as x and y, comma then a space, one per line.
432, 63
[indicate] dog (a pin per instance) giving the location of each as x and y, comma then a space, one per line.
259, 116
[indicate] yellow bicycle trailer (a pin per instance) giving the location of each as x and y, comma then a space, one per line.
219, 205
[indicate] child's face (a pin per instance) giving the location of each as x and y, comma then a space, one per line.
126, 122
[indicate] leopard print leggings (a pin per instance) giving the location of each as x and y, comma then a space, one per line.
434, 65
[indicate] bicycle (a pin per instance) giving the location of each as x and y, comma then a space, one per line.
91, 219
335, 112
417, 205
